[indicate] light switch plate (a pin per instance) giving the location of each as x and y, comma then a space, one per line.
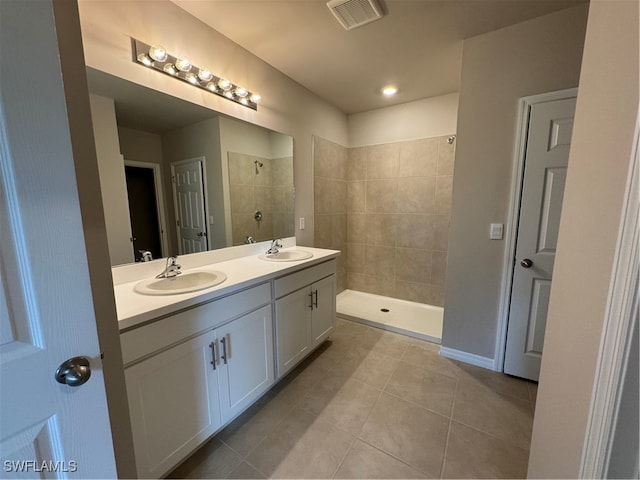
495, 231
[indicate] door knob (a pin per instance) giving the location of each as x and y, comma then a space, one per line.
526, 263
74, 372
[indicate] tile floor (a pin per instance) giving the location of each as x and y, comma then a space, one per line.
375, 404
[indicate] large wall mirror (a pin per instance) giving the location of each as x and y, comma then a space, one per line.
179, 178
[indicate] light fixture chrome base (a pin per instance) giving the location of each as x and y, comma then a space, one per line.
214, 84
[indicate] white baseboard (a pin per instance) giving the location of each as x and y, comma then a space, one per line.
470, 358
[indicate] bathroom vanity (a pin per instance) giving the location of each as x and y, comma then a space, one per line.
195, 361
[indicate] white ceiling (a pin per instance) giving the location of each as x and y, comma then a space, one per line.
417, 45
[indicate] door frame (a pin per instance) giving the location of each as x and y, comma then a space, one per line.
203, 167
157, 180
511, 228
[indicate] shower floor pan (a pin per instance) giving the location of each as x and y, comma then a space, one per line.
400, 316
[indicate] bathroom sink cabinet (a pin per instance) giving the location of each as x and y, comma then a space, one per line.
191, 372
304, 316
181, 395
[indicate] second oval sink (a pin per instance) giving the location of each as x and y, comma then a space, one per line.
184, 283
286, 256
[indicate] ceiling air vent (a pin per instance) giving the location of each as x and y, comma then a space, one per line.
355, 13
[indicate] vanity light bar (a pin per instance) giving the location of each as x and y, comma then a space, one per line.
157, 58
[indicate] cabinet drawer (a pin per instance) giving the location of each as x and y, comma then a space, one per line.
147, 339
295, 281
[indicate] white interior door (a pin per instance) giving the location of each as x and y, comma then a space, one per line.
189, 202
47, 429
547, 155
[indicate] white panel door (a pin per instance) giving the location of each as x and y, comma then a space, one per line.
47, 429
189, 203
245, 350
547, 155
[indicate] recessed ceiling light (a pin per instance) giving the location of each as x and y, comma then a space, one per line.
389, 90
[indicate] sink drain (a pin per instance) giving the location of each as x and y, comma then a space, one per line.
385, 310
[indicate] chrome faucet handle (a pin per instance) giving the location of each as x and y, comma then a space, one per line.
171, 269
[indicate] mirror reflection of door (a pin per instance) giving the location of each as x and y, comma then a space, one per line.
188, 179
146, 226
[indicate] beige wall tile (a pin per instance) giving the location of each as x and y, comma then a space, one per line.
338, 231
263, 199
415, 231
380, 261
414, 292
418, 157
356, 262
264, 229
322, 230
413, 265
357, 164
240, 169
435, 295
444, 184
381, 229
417, 195
438, 268
338, 199
446, 156
382, 196
383, 161
356, 196
242, 199
356, 228
441, 233
322, 158
323, 195
356, 281
243, 226
261, 174
380, 285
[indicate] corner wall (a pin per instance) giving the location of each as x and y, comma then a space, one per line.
498, 68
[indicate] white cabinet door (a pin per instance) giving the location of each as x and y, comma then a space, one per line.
324, 309
293, 329
174, 405
245, 356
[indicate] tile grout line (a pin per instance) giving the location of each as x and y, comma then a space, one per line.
446, 443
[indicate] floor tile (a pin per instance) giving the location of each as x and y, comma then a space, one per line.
424, 387
473, 454
408, 432
302, 446
371, 368
212, 460
365, 461
426, 356
497, 381
341, 401
504, 416
245, 471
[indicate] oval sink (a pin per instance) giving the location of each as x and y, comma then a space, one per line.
286, 256
184, 283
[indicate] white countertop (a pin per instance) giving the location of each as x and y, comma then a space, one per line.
134, 308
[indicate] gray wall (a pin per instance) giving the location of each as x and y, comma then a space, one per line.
140, 146
498, 68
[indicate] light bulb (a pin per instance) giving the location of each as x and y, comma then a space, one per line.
228, 94
158, 53
183, 64
241, 92
205, 74
224, 84
244, 101
389, 90
255, 98
191, 78
212, 86
145, 59
170, 69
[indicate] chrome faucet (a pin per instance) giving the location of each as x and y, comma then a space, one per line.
275, 245
171, 270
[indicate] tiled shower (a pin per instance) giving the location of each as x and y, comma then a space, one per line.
387, 208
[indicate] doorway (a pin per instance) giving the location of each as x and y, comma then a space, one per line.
146, 209
546, 125
189, 201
